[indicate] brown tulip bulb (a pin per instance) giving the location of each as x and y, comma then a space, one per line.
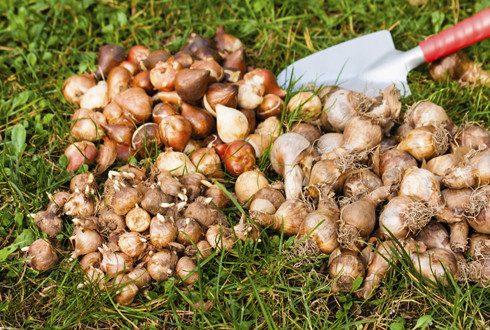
202, 122
191, 84
218, 93
154, 57
175, 132
137, 105
142, 80
184, 58
239, 157
271, 105
108, 58
162, 110
75, 86
119, 133
79, 153
215, 70
117, 81
138, 54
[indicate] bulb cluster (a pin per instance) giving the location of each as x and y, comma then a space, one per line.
139, 229
357, 176
201, 97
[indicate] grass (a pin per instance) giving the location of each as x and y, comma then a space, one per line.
256, 285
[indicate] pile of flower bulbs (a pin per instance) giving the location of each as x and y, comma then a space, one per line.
357, 177
146, 101
139, 229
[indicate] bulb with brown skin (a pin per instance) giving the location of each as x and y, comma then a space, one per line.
321, 227
220, 93
169, 184
42, 256
91, 259
308, 131
271, 106
434, 235
154, 57
109, 222
235, 64
442, 164
152, 201
57, 201
248, 184
359, 183
216, 72
192, 183
202, 122
162, 110
218, 197
127, 290
162, 264
133, 244
239, 157
226, 42
175, 132
426, 113
269, 81
207, 162
140, 276
49, 223
344, 267
474, 136
79, 153
163, 231
479, 246
131, 67
75, 86
114, 262
245, 230
361, 134
123, 152
425, 142
79, 205
85, 241
138, 219
187, 270
393, 164
124, 199
288, 218
184, 58
189, 231
163, 75
220, 237
138, 54
272, 195
435, 263
84, 182
358, 219
203, 212
201, 250
191, 84
142, 80
107, 155
109, 57
118, 81
146, 139
114, 115
377, 266
136, 104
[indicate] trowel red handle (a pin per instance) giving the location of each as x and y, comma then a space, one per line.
463, 34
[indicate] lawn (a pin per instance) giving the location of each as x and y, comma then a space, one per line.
264, 284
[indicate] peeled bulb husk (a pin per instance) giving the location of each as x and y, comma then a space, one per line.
231, 124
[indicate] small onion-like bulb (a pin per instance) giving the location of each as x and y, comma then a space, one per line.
162, 265
189, 231
127, 290
174, 162
79, 205
140, 276
114, 263
248, 183
85, 241
163, 231
322, 229
187, 270
220, 237
232, 125
344, 267
201, 250
307, 105
434, 263
125, 199
421, 184
42, 255
91, 259
133, 244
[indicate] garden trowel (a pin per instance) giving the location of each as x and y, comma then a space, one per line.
370, 63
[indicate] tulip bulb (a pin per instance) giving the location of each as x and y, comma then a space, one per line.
232, 125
